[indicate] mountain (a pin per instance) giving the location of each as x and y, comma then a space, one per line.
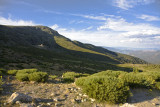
151, 55
35, 45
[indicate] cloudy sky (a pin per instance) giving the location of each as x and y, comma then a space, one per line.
111, 23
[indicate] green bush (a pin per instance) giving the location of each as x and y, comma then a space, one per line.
38, 76
113, 86
1, 83
22, 76
157, 85
12, 72
0, 73
27, 70
31, 75
70, 76
104, 88
53, 76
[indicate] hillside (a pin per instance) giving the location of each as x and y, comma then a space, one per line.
32, 46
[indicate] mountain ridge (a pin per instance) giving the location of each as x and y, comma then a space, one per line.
46, 38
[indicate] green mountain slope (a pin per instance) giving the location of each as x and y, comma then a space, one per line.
40, 46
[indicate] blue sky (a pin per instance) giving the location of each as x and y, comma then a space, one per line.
112, 23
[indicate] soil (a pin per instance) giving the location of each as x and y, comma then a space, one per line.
55, 93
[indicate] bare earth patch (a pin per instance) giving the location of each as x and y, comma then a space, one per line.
54, 93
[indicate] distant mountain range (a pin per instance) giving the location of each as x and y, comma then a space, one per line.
151, 55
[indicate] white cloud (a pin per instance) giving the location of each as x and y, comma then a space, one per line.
88, 28
9, 21
55, 26
116, 32
129, 29
126, 4
149, 18
91, 16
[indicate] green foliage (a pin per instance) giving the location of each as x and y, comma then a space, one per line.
27, 71
1, 83
31, 75
22, 76
157, 85
70, 76
0, 73
12, 72
103, 88
113, 86
53, 76
38, 76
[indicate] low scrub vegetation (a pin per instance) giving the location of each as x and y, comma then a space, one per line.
31, 75
113, 86
103, 88
70, 76
12, 72
0, 84
0, 81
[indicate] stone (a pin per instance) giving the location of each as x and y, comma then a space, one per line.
19, 97
26, 105
18, 102
92, 100
5, 104
56, 99
127, 105
56, 104
49, 104
73, 100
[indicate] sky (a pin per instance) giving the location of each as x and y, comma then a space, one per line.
110, 23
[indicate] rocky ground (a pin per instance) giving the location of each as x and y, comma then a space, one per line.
54, 93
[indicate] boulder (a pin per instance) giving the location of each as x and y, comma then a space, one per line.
19, 97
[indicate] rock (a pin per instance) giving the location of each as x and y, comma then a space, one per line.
80, 94
26, 105
84, 100
56, 99
18, 102
84, 95
5, 104
19, 97
73, 100
56, 104
92, 100
39, 106
49, 104
127, 105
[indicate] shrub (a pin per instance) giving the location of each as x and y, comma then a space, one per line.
31, 75
38, 76
104, 88
157, 85
12, 72
68, 79
53, 76
70, 76
22, 76
0, 73
1, 83
27, 70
